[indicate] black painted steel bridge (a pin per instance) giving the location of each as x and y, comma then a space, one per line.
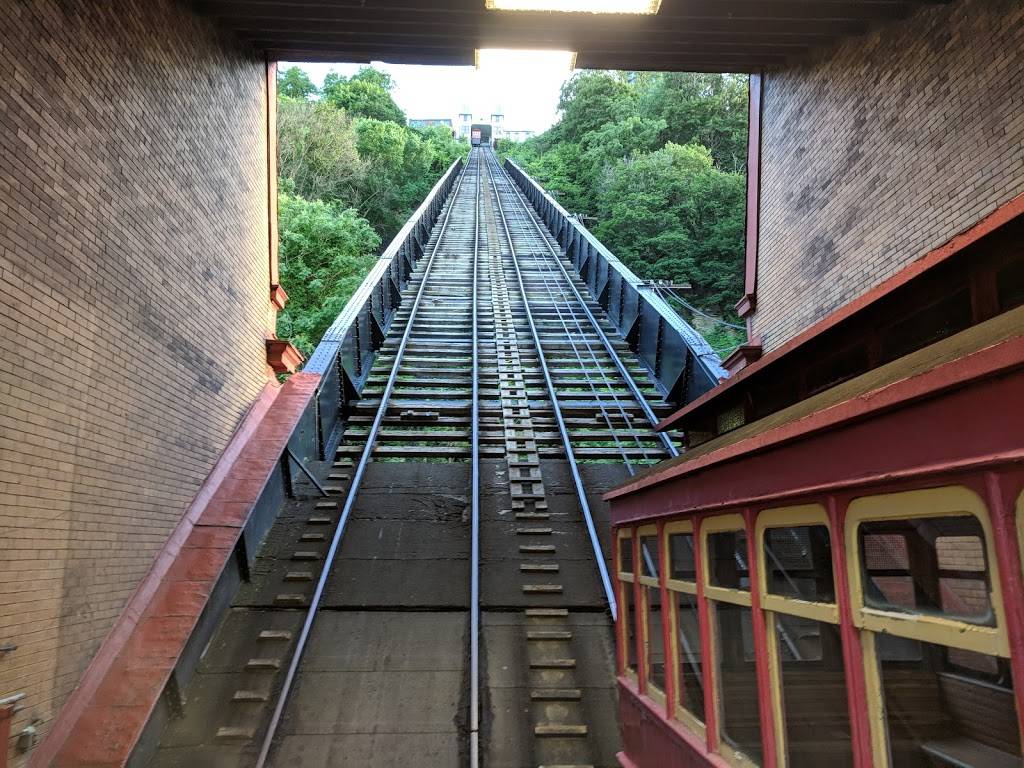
448, 601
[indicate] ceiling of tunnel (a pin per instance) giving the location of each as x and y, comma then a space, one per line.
685, 35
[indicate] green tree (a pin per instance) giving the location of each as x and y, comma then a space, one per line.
445, 148
376, 77
707, 109
293, 83
672, 215
657, 159
601, 149
348, 181
326, 250
363, 95
318, 152
591, 99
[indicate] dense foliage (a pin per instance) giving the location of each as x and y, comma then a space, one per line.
655, 161
326, 250
351, 174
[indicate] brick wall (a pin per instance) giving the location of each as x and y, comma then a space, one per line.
880, 150
134, 276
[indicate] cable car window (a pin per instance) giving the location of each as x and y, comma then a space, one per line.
628, 615
649, 556
739, 718
655, 645
927, 565
798, 594
936, 650
626, 554
626, 628
798, 563
652, 651
683, 564
938, 713
690, 653
687, 657
813, 693
727, 560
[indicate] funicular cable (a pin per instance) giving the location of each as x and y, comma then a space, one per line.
616, 359
563, 430
608, 383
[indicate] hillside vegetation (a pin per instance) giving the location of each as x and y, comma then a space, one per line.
351, 173
655, 162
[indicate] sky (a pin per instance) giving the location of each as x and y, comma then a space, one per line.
524, 85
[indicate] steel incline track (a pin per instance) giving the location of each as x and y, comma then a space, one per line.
556, 262
553, 394
357, 479
498, 408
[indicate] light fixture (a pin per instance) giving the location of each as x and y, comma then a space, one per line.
513, 59
577, 6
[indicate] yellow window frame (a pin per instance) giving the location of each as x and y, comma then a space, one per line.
721, 524
948, 501
625, 535
677, 585
652, 690
826, 613
792, 517
729, 523
682, 714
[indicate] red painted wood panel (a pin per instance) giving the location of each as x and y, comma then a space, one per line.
998, 218
650, 741
844, 445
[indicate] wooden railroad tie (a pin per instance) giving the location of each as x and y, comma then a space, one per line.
531, 549
559, 729
556, 694
275, 634
263, 664
234, 733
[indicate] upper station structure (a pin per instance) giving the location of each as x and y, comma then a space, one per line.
871, 421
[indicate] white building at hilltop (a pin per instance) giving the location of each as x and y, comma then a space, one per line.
496, 119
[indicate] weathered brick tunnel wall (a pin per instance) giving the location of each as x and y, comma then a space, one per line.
134, 275
883, 149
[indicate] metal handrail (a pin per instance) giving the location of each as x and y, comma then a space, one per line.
345, 353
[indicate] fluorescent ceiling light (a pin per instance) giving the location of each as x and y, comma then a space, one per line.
525, 61
577, 6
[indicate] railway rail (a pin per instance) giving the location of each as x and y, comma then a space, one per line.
450, 603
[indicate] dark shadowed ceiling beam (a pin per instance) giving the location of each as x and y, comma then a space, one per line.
701, 35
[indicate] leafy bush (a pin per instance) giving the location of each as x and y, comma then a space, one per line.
293, 83
365, 94
326, 251
318, 151
671, 215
